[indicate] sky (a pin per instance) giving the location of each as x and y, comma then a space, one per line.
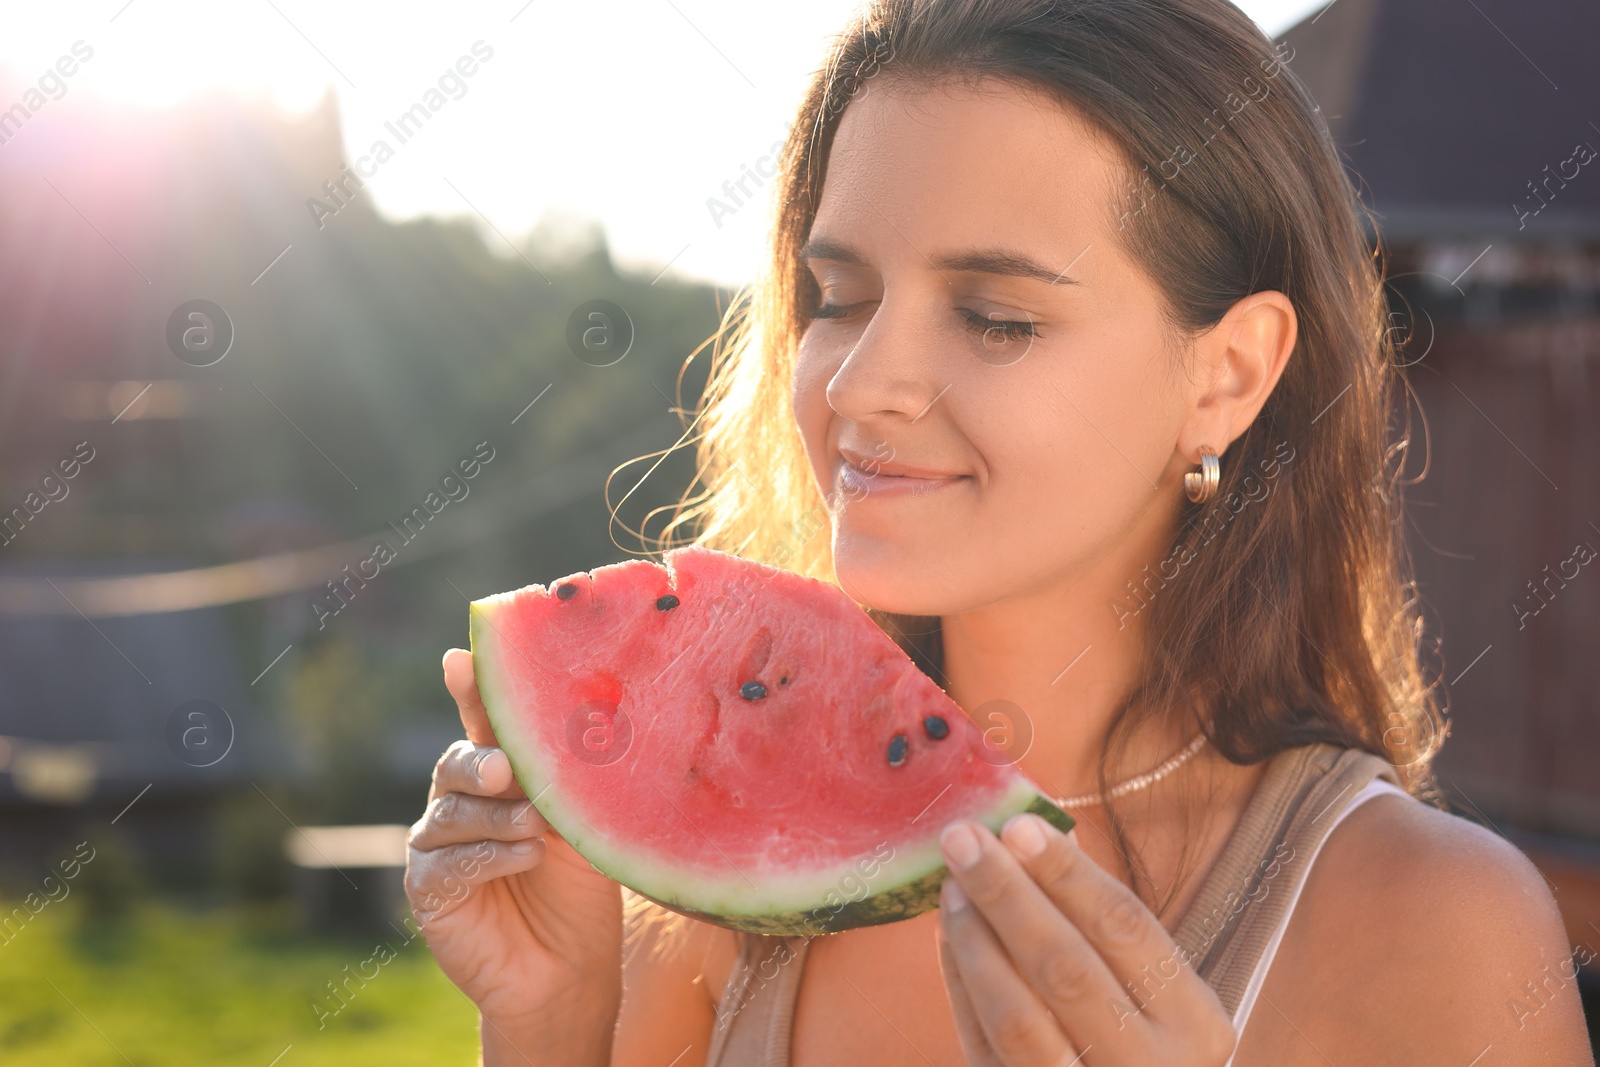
633, 113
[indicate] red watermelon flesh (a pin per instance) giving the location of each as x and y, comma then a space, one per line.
736, 742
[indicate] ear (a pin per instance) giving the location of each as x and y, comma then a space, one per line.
1240, 359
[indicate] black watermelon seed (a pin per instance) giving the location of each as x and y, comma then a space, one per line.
566, 591
752, 690
784, 680
936, 728
897, 750
666, 603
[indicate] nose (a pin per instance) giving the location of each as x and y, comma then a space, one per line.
890, 370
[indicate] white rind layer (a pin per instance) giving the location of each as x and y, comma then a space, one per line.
735, 893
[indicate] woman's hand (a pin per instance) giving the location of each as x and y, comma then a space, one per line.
1081, 940
526, 927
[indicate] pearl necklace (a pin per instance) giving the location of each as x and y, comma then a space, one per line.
1137, 782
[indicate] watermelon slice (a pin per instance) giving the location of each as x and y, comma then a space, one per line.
736, 742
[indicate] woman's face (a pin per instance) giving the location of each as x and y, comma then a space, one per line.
969, 461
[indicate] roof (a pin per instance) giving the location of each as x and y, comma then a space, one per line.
1450, 112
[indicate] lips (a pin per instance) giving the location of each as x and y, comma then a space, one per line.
876, 466
861, 476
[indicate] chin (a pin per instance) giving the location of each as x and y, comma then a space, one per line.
893, 576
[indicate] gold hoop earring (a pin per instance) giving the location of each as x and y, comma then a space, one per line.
1201, 485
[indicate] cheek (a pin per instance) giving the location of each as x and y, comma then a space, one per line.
1063, 441
1074, 452
1057, 487
1043, 476
1067, 484
809, 404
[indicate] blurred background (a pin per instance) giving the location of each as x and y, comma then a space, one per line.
282, 282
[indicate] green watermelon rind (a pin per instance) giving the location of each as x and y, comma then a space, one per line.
907, 884
886, 906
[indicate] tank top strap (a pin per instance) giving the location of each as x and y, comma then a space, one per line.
1377, 787
1228, 932
755, 1017
1238, 915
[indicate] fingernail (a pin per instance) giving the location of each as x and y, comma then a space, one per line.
522, 848
520, 819
483, 763
954, 899
1024, 835
961, 846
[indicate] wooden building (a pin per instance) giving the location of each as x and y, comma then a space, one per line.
1470, 129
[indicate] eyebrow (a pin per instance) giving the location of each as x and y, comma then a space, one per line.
1000, 261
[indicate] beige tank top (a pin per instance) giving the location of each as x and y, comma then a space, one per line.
1230, 933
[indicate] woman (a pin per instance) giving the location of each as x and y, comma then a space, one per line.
1036, 267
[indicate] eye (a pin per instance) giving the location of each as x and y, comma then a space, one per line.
1009, 328
834, 311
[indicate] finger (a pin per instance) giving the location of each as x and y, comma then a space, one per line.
469, 768
974, 1043
455, 818
463, 685
1116, 924
1018, 1025
439, 881
1052, 956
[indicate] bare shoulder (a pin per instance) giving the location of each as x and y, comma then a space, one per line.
673, 972
1422, 937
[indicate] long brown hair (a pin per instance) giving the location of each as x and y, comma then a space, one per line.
1285, 608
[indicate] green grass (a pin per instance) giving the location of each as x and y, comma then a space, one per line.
224, 987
